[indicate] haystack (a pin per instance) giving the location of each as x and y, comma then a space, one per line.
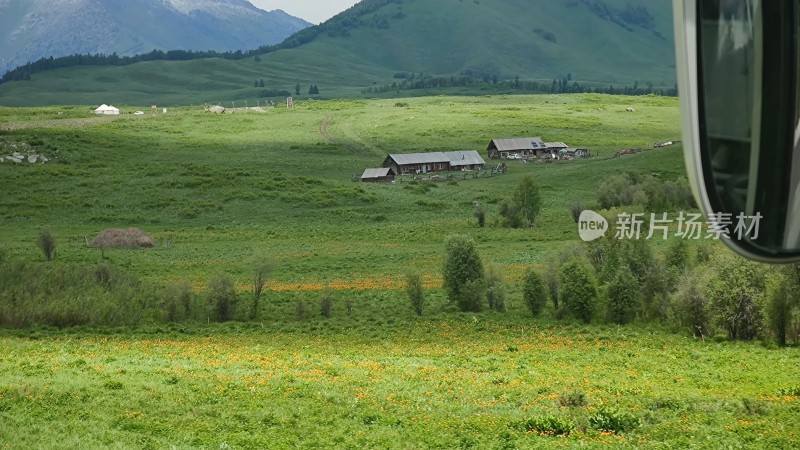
123, 238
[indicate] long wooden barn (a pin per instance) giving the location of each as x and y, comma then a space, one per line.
413, 163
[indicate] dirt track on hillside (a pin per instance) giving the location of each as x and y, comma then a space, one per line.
351, 141
325, 132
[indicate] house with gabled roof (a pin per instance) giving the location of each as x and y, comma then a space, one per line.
381, 174
431, 162
515, 148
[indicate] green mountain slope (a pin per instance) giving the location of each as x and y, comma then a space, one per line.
591, 41
32, 29
605, 41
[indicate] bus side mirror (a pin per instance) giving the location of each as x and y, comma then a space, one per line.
737, 64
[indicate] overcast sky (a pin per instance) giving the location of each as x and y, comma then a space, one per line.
314, 11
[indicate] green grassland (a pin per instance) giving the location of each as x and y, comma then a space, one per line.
215, 190
440, 382
223, 187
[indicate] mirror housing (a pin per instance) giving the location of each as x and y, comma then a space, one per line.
737, 67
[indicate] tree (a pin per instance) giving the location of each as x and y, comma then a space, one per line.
783, 299
221, 297
473, 295
677, 256
528, 200
297, 89
261, 83
691, 304
735, 293
551, 282
578, 289
534, 292
608, 254
622, 295
655, 290
262, 267
416, 292
47, 244
462, 265
510, 213
178, 301
524, 206
495, 289
480, 214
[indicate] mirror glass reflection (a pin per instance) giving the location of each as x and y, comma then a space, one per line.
749, 130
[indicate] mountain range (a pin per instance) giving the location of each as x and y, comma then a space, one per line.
376, 45
31, 29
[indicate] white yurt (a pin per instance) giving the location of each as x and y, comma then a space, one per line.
107, 110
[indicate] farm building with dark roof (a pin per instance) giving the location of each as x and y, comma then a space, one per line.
434, 162
557, 146
521, 147
378, 175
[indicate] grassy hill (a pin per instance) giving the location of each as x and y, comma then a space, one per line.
225, 186
598, 42
215, 190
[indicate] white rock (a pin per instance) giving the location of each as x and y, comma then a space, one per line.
2, 160
32, 159
16, 160
17, 155
43, 159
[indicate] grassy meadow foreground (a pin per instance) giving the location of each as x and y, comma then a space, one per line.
215, 191
438, 382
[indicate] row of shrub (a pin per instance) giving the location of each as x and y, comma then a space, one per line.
632, 190
64, 295
59, 294
646, 191
693, 286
